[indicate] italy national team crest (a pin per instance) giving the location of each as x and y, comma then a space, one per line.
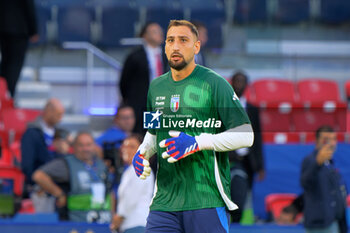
175, 103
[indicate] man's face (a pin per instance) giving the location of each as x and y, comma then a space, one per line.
84, 147
329, 138
180, 46
125, 119
154, 35
129, 149
239, 84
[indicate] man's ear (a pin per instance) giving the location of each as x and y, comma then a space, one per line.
197, 46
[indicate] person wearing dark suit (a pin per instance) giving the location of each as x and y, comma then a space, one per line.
141, 66
246, 162
17, 26
324, 188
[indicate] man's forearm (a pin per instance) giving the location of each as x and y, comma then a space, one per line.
232, 139
46, 183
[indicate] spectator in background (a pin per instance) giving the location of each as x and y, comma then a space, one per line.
79, 182
60, 144
17, 26
324, 190
140, 68
123, 124
34, 149
134, 195
288, 215
246, 161
203, 38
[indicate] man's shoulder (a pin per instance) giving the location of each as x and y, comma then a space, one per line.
159, 81
135, 53
211, 76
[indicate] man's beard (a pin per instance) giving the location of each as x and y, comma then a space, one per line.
178, 66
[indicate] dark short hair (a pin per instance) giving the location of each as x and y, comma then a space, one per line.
324, 128
145, 27
121, 107
177, 23
239, 73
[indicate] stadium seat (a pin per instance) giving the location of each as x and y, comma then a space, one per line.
272, 120
335, 11
5, 98
250, 11
112, 31
43, 13
274, 90
348, 200
212, 14
318, 90
162, 11
347, 89
292, 11
309, 120
281, 137
74, 23
14, 123
275, 202
27, 207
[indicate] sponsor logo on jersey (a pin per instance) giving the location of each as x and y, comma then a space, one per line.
151, 120
175, 103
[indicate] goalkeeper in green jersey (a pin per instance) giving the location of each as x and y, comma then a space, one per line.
194, 117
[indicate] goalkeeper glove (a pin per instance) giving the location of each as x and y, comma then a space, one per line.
141, 165
179, 146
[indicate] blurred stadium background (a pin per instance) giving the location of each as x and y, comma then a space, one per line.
296, 53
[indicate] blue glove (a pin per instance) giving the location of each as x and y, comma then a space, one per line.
141, 165
179, 146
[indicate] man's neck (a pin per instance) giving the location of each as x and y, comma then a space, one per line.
179, 75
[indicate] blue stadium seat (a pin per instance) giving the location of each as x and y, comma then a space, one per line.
117, 22
43, 14
74, 23
292, 11
162, 11
335, 11
250, 11
212, 14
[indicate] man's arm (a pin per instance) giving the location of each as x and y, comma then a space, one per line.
47, 184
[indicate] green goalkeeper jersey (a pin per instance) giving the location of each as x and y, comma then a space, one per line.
203, 102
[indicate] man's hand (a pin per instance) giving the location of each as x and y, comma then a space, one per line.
179, 146
141, 165
324, 154
116, 222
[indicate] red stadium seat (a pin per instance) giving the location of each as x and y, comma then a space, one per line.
274, 90
275, 202
272, 120
347, 89
5, 98
309, 120
276, 98
348, 200
318, 90
14, 123
27, 207
281, 137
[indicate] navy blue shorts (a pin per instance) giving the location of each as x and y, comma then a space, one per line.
212, 220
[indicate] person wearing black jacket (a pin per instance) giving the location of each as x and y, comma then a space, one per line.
17, 26
246, 162
141, 66
324, 189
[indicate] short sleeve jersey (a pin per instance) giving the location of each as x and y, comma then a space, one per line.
203, 102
